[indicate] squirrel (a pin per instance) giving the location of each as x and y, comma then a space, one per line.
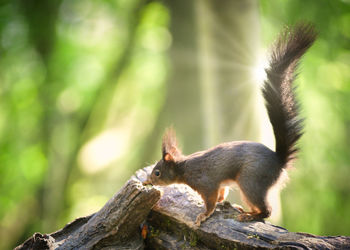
251, 165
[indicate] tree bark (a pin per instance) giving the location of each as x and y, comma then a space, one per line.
116, 225
139, 217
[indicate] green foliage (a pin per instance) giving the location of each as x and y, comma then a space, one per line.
317, 197
89, 67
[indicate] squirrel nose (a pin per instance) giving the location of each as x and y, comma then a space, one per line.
147, 181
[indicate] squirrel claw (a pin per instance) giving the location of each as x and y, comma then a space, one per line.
201, 217
244, 217
238, 208
249, 216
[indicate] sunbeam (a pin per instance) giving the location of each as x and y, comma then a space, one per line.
258, 70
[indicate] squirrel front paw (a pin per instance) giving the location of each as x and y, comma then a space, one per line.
201, 217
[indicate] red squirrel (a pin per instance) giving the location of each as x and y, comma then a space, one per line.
254, 167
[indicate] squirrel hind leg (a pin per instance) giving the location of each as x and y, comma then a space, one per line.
259, 210
256, 198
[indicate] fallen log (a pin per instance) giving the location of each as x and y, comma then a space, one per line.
138, 217
116, 225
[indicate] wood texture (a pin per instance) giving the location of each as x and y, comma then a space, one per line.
167, 222
115, 225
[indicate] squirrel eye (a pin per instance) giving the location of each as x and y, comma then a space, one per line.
157, 172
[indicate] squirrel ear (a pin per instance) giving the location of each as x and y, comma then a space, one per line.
169, 146
168, 157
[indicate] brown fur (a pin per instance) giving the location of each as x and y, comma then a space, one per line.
253, 166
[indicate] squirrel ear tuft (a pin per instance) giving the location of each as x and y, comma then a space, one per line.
168, 157
169, 146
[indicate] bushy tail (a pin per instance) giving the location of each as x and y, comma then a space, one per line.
278, 89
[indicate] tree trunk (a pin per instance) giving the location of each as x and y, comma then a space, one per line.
139, 217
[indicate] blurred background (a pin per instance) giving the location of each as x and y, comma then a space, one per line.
87, 88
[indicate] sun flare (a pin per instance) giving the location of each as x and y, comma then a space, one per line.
258, 70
